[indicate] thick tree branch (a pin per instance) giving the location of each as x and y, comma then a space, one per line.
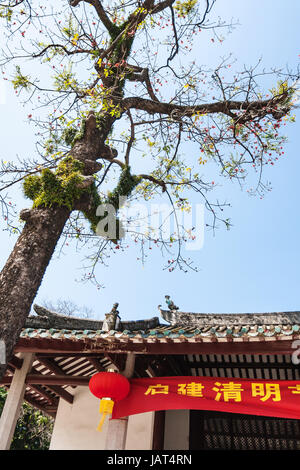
160, 183
264, 107
59, 46
132, 138
162, 6
141, 75
134, 20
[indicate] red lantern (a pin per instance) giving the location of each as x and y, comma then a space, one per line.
109, 387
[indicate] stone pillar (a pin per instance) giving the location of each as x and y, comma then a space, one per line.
117, 428
13, 403
116, 434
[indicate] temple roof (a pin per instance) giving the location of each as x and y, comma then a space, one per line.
47, 319
69, 350
49, 324
175, 317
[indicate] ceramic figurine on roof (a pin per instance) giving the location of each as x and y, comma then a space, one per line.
112, 319
170, 303
114, 310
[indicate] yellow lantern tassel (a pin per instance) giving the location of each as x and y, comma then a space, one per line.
106, 407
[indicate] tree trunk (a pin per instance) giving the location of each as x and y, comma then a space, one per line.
22, 274
24, 270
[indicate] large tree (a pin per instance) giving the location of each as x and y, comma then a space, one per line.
109, 82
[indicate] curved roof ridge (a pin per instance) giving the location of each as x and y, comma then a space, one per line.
176, 317
46, 319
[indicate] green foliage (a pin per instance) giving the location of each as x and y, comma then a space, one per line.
20, 81
33, 430
61, 187
125, 42
69, 30
115, 31
111, 108
65, 80
32, 186
125, 186
79, 134
90, 215
50, 145
69, 134
283, 88
185, 7
6, 12
3, 394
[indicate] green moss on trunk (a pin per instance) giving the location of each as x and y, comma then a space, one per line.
61, 187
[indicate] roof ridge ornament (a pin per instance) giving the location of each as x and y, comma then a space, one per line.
170, 303
112, 319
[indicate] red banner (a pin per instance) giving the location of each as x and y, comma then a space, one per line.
278, 398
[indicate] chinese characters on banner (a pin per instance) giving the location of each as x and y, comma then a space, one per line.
278, 398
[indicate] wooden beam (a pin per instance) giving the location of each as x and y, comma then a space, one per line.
43, 393
116, 360
240, 365
43, 379
56, 369
16, 362
159, 430
62, 393
73, 355
58, 347
49, 410
6, 380
96, 364
182, 365
50, 364
83, 366
58, 390
10, 369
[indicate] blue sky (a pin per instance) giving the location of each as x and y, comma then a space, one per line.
254, 267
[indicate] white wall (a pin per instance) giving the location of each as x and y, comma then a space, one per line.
75, 425
140, 431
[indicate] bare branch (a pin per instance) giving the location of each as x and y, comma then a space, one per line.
101, 13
